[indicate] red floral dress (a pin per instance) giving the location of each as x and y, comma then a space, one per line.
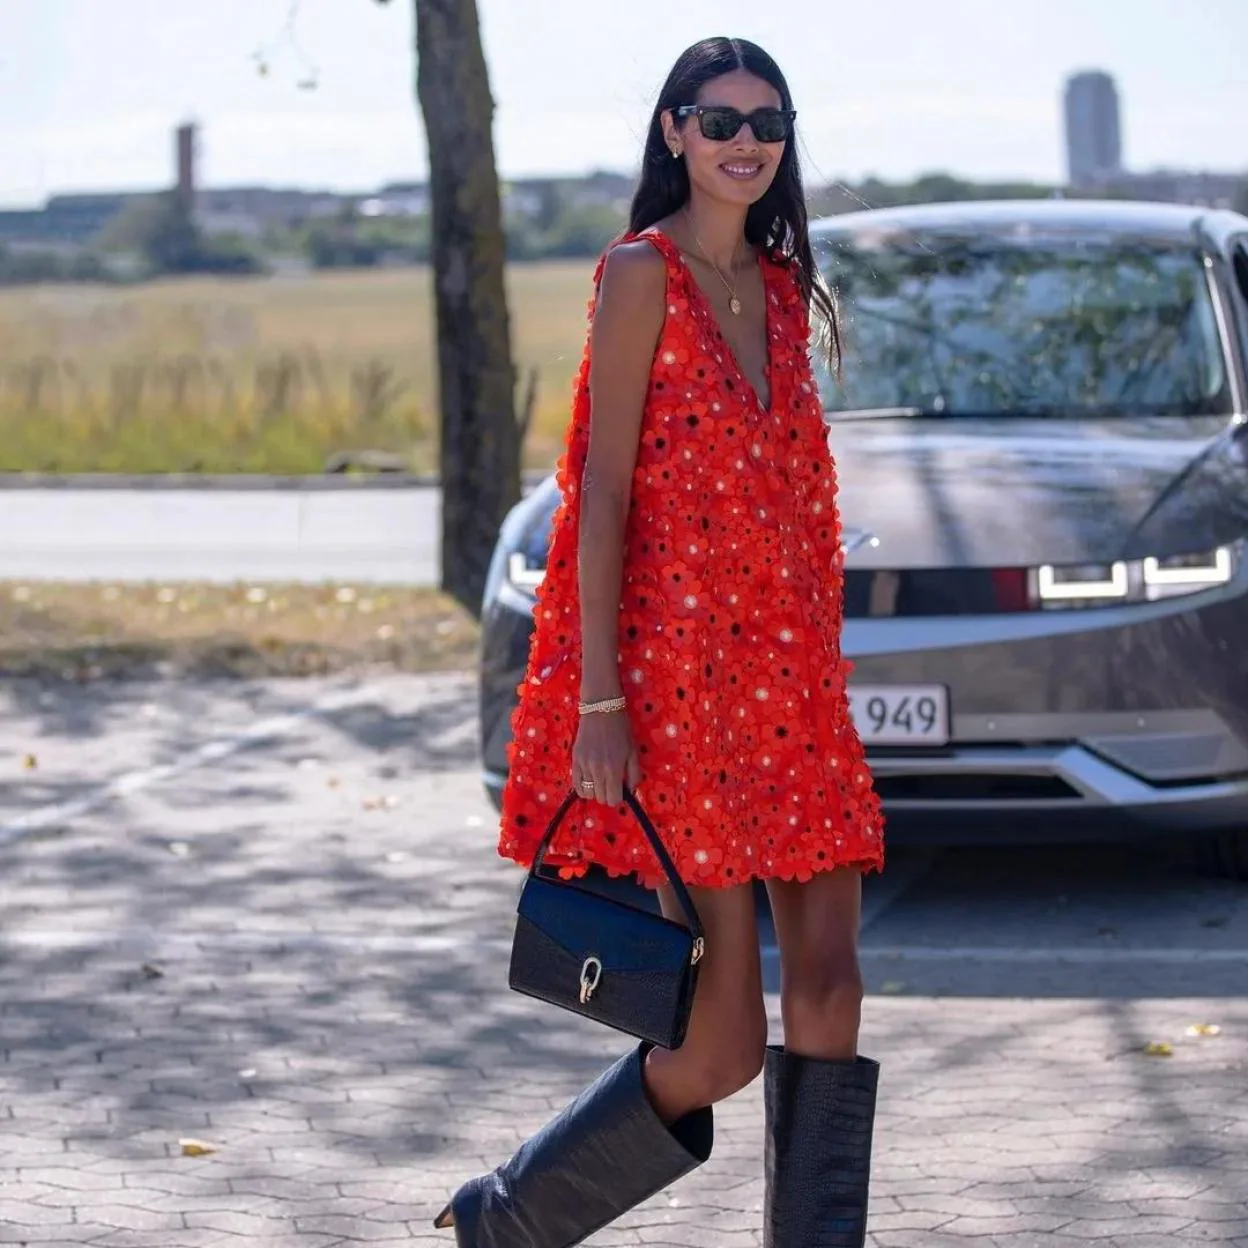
730, 624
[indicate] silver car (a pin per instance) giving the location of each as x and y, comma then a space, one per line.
1040, 433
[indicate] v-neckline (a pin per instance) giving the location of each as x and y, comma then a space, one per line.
731, 355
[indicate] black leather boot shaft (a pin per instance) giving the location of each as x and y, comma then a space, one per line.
605, 1153
817, 1164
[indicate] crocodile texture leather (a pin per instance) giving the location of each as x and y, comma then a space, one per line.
817, 1163
647, 976
605, 1153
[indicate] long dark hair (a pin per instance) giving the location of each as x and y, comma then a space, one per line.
778, 222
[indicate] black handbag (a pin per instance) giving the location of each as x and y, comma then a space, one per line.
622, 966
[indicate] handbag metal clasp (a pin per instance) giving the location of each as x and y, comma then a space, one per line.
699, 948
591, 974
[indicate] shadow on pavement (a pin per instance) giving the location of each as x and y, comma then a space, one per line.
270, 953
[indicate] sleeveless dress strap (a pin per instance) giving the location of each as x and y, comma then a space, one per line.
662, 244
660, 241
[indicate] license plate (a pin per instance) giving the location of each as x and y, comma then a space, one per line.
900, 714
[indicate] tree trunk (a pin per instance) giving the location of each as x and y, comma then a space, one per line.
480, 440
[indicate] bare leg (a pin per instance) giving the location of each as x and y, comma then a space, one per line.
723, 1051
819, 1093
821, 985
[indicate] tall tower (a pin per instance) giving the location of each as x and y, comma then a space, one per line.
184, 159
1093, 129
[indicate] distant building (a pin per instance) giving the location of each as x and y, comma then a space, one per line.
398, 199
64, 220
251, 210
185, 142
1093, 130
1181, 186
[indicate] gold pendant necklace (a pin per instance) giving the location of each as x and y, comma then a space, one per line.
734, 304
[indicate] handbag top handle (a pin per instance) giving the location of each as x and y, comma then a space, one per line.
669, 868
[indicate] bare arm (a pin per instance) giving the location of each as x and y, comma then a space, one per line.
627, 322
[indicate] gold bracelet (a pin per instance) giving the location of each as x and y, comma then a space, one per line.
607, 704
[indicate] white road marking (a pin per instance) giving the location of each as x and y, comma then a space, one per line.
270, 729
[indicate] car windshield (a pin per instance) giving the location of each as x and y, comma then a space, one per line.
1026, 324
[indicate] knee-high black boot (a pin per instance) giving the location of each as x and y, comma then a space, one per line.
819, 1118
605, 1153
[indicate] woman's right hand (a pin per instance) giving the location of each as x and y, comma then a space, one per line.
606, 755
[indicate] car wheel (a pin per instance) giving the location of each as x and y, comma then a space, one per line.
1226, 853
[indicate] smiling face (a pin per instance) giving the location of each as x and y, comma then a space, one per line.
739, 169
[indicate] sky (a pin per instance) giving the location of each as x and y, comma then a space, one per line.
90, 90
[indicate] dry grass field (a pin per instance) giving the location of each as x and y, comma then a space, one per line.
257, 375
90, 632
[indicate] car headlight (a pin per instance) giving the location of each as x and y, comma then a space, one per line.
1136, 580
1083, 583
1185, 573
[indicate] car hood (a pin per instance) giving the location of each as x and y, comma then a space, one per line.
1013, 492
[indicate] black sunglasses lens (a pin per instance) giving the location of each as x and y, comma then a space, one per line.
770, 125
719, 125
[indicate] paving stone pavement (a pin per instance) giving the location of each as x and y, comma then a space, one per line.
296, 953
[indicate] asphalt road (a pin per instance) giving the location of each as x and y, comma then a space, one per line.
268, 917
384, 535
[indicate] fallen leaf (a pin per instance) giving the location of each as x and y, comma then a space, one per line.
30, 762
1159, 1048
1203, 1029
179, 849
333, 782
196, 1148
151, 971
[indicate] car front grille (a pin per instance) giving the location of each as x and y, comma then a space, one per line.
986, 786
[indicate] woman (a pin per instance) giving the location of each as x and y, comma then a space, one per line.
687, 644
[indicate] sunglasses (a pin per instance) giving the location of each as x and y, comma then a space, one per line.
719, 123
